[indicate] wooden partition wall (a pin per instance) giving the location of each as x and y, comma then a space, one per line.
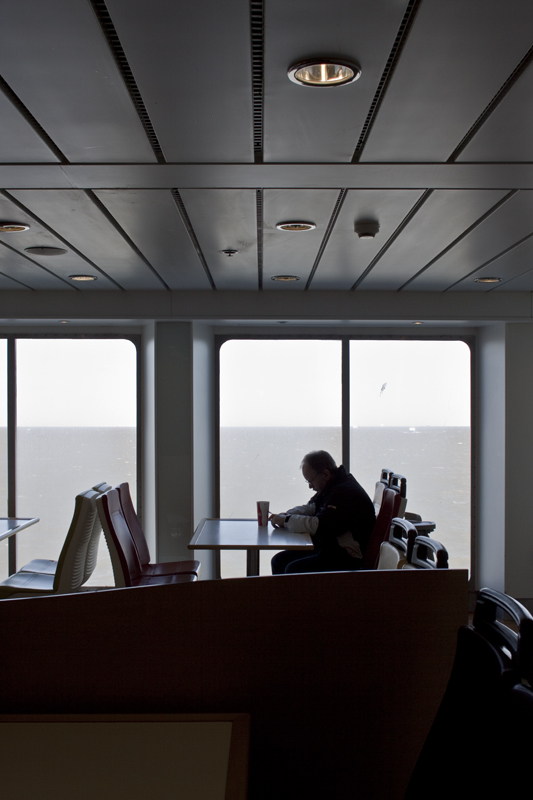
341, 672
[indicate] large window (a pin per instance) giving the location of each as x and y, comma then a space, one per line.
75, 427
400, 404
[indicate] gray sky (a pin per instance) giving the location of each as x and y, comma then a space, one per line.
297, 383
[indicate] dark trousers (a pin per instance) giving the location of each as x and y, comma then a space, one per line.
288, 562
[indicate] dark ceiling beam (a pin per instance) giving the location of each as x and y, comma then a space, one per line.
278, 176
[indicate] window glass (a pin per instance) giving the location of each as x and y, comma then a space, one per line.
279, 399
76, 427
3, 451
410, 412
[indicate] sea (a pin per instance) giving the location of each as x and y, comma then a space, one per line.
263, 463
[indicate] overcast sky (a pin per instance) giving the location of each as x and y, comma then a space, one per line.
298, 383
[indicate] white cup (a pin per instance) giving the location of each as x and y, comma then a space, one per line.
262, 512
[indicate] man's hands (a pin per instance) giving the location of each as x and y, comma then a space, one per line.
277, 520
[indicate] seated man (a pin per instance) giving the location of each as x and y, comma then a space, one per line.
340, 518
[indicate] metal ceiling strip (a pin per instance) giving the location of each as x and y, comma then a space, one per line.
415, 209
257, 38
28, 116
334, 214
494, 103
403, 32
190, 230
109, 31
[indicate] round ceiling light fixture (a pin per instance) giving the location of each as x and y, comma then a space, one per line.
45, 251
366, 228
285, 278
13, 227
82, 278
324, 72
296, 227
487, 280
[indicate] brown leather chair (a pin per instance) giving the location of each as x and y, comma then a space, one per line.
124, 557
149, 570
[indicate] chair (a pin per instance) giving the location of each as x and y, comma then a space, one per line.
393, 551
124, 558
383, 483
149, 570
471, 747
427, 553
69, 574
47, 567
388, 510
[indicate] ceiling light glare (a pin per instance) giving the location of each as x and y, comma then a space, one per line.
285, 278
45, 251
324, 72
83, 278
13, 227
418, 322
366, 229
296, 227
487, 280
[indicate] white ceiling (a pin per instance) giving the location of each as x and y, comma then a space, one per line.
138, 137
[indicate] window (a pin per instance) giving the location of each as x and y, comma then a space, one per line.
75, 427
406, 407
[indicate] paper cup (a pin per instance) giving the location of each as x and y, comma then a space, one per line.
262, 512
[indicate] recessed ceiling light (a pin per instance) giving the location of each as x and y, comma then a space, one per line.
13, 227
229, 252
324, 72
366, 228
418, 322
296, 227
487, 280
64, 321
83, 278
282, 321
45, 251
285, 278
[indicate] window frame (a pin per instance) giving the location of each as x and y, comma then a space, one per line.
11, 339
345, 339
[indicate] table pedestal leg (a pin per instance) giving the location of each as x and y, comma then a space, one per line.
252, 562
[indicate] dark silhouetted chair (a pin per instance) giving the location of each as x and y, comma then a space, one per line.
149, 570
124, 557
390, 503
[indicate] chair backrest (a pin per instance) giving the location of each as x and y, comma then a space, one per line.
94, 541
473, 715
429, 554
133, 523
383, 483
71, 565
389, 556
399, 484
124, 557
401, 532
388, 510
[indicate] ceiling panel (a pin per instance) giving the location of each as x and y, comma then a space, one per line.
522, 283
226, 219
505, 227
346, 256
152, 221
506, 135
54, 57
512, 265
322, 124
19, 142
293, 253
457, 56
38, 236
25, 270
7, 284
444, 216
194, 73
76, 218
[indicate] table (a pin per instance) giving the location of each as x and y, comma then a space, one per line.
9, 526
245, 534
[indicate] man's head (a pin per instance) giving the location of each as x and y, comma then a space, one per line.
318, 469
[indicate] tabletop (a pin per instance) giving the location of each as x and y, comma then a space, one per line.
11, 525
246, 534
